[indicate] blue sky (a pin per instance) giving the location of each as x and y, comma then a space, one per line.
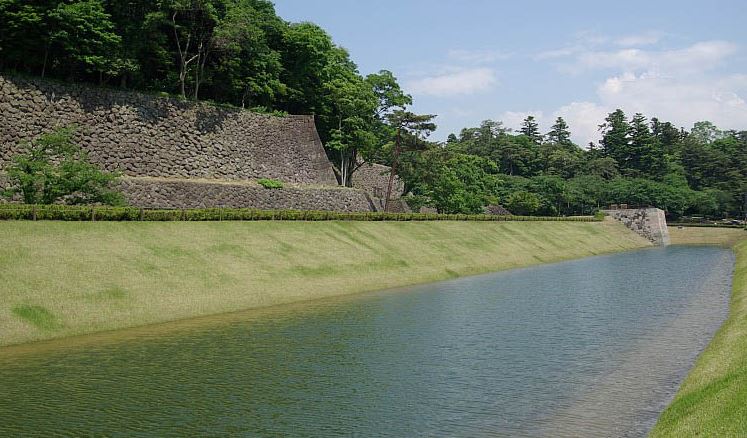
472, 60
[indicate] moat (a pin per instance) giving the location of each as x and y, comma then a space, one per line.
594, 347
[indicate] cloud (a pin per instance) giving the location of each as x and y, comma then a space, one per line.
683, 101
457, 83
695, 58
513, 119
583, 120
478, 56
640, 39
681, 85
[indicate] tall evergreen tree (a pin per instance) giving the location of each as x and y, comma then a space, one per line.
559, 133
530, 128
615, 141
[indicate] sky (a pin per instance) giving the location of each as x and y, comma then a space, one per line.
471, 60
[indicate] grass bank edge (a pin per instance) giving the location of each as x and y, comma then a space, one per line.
712, 401
93, 277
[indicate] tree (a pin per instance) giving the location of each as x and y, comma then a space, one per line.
530, 128
706, 132
193, 24
354, 104
408, 126
667, 135
53, 169
615, 141
523, 203
83, 35
559, 133
390, 98
24, 35
645, 155
456, 182
605, 168
248, 70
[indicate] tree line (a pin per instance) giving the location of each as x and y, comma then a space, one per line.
237, 52
639, 162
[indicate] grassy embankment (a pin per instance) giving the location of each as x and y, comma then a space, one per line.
712, 401
67, 278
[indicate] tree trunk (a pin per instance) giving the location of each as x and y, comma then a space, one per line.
46, 57
393, 170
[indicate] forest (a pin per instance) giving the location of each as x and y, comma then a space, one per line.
241, 53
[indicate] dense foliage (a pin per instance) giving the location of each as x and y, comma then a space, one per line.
637, 162
230, 51
52, 169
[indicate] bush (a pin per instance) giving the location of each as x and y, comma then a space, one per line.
270, 183
523, 203
52, 169
104, 213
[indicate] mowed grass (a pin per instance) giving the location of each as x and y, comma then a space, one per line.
68, 278
712, 401
706, 236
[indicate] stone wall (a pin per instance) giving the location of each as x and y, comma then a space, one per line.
374, 178
142, 135
650, 223
176, 193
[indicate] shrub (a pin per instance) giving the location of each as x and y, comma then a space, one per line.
52, 169
106, 213
270, 183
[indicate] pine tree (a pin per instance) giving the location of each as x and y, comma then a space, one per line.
615, 141
530, 128
560, 133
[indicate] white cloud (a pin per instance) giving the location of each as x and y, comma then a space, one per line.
478, 56
681, 101
696, 58
461, 82
513, 119
680, 85
583, 119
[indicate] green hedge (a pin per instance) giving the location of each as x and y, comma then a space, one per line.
696, 225
88, 213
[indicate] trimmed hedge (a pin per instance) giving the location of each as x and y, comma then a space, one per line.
696, 225
100, 213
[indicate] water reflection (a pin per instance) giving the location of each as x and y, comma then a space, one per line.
586, 348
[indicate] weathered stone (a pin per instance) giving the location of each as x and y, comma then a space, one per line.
650, 223
158, 134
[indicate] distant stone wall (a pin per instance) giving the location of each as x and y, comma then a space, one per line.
162, 193
374, 178
650, 223
148, 136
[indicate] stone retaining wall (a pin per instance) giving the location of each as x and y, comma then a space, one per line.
159, 193
650, 223
374, 178
147, 136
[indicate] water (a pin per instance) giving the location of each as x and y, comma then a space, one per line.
595, 347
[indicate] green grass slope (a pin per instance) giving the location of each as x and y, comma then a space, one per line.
68, 278
712, 402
